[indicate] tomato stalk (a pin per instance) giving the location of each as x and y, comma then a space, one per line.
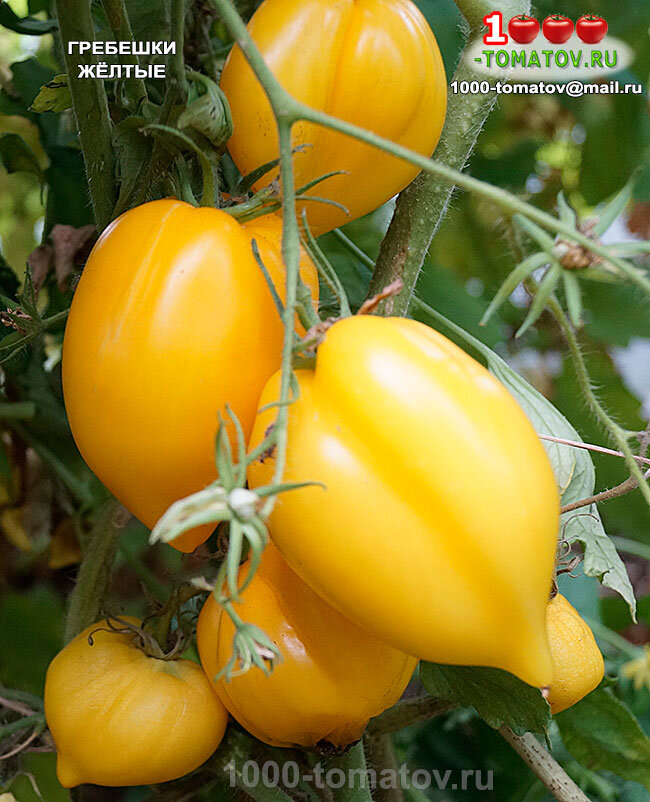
87, 597
118, 19
90, 106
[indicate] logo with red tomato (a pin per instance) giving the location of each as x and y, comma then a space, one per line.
556, 28
523, 29
591, 29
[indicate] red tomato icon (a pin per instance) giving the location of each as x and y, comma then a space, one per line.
523, 29
557, 28
591, 29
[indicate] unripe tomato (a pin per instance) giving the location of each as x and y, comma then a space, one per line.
171, 321
437, 526
578, 665
333, 676
374, 63
119, 717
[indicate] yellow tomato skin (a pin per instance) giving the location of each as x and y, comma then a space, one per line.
333, 676
578, 665
119, 717
172, 320
374, 63
437, 526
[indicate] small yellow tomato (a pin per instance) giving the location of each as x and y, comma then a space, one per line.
172, 320
333, 676
374, 63
119, 717
578, 665
436, 527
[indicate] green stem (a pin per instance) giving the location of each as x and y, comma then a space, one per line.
228, 763
632, 547
353, 765
118, 19
91, 110
87, 598
408, 712
20, 410
381, 757
21, 724
616, 432
177, 64
545, 766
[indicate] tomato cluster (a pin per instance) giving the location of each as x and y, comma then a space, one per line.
425, 521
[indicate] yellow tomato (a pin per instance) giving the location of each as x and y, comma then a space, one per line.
374, 63
333, 676
171, 321
578, 665
437, 526
119, 717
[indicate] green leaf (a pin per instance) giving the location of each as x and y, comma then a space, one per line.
18, 157
497, 696
602, 734
25, 25
544, 292
613, 210
54, 96
573, 296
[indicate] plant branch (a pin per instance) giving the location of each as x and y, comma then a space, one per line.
177, 64
544, 765
616, 432
590, 447
408, 712
118, 19
91, 110
353, 765
87, 598
620, 490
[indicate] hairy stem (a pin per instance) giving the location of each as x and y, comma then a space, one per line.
408, 712
177, 64
381, 757
545, 766
616, 432
620, 490
87, 598
353, 765
118, 19
91, 109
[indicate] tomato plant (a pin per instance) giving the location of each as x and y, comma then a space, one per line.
591, 29
557, 28
373, 446
523, 29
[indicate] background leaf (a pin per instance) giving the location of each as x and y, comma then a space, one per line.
497, 696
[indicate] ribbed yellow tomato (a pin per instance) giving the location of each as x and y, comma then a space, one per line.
437, 526
374, 63
333, 676
578, 665
171, 321
119, 717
